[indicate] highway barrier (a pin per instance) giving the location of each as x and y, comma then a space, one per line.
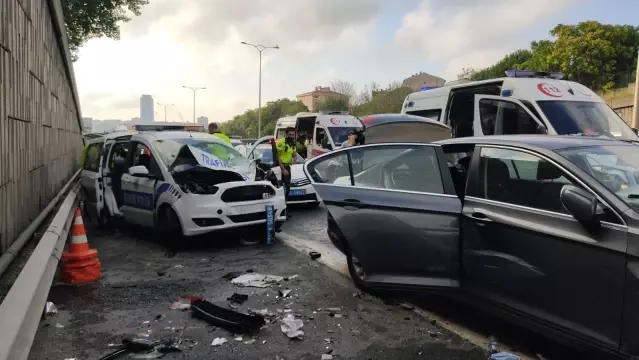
22, 308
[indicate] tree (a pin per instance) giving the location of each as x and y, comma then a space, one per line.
388, 100
513, 60
245, 125
333, 104
346, 88
466, 73
594, 53
87, 19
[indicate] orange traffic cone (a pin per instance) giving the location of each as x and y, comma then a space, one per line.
80, 264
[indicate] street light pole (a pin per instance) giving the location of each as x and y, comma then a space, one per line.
260, 48
194, 89
165, 106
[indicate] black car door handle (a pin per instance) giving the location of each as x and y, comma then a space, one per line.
351, 204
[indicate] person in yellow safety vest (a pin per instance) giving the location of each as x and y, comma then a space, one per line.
213, 130
92, 154
216, 149
285, 155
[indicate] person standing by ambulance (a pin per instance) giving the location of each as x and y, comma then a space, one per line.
286, 150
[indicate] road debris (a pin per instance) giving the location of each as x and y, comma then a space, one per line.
504, 356
237, 298
218, 341
234, 274
293, 277
228, 319
50, 309
314, 255
239, 338
59, 326
292, 327
256, 280
284, 293
249, 342
327, 356
181, 304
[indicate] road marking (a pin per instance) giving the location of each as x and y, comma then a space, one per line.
335, 260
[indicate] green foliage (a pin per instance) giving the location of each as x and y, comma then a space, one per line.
87, 19
246, 125
389, 100
333, 104
510, 61
600, 56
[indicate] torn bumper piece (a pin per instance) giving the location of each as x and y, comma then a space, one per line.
230, 320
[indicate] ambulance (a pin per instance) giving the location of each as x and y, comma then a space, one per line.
324, 131
523, 102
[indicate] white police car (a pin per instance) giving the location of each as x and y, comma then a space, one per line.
174, 182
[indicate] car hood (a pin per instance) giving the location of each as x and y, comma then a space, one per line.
192, 159
297, 172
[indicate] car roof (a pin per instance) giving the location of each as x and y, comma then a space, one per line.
111, 135
550, 142
168, 135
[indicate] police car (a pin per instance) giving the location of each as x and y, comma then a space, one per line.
173, 181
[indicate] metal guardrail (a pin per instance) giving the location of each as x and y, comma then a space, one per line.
22, 308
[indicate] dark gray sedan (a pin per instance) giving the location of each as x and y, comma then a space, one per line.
538, 225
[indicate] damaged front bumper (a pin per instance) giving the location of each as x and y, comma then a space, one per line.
200, 214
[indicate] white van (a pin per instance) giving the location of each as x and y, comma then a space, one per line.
324, 131
524, 102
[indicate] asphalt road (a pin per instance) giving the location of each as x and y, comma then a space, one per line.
309, 226
141, 279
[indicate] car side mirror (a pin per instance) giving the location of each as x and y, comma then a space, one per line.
139, 171
542, 130
583, 206
635, 131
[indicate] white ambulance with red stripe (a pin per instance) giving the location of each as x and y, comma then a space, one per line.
325, 131
523, 102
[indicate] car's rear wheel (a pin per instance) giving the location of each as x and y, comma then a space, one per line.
356, 270
169, 227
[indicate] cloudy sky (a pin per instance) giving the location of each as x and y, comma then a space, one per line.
197, 43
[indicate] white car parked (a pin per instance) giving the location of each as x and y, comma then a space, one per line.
176, 182
301, 192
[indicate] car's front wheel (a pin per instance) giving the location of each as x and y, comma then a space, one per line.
169, 227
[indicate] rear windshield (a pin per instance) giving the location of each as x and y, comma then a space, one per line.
586, 118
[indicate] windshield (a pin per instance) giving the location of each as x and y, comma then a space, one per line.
340, 134
265, 154
168, 150
586, 118
616, 167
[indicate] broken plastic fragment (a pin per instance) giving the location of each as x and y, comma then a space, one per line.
327, 356
182, 304
249, 342
233, 321
256, 280
239, 338
314, 255
285, 293
50, 309
218, 341
59, 326
292, 327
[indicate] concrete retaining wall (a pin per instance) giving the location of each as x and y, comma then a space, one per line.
40, 120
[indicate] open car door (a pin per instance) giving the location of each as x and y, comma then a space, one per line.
422, 130
265, 162
497, 115
395, 209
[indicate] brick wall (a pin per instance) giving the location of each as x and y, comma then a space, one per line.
40, 126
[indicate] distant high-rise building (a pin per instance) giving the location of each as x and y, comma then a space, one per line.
146, 108
203, 120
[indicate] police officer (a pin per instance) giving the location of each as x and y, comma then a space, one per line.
285, 155
213, 130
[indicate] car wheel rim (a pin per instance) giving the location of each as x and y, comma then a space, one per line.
359, 269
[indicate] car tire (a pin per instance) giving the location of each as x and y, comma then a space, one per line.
170, 228
356, 270
104, 218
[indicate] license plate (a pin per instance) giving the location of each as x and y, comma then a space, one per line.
246, 209
297, 192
